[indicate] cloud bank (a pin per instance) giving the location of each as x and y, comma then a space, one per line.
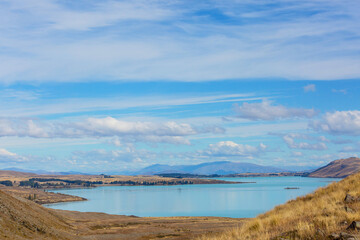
164, 132
188, 41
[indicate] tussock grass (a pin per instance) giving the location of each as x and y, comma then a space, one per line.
314, 216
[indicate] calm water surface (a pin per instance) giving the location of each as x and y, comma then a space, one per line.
222, 200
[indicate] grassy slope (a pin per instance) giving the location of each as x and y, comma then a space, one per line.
314, 216
22, 219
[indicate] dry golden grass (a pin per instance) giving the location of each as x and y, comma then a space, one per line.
15, 176
314, 216
105, 226
23, 219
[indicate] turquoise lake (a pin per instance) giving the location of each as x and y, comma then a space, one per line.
222, 200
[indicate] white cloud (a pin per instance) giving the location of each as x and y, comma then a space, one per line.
290, 141
110, 126
6, 153
232, 149
266, 111
127, 131
9, 157
22, 128
339, 123
100, 156
310, 88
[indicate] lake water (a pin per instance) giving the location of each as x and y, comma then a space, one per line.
222, 200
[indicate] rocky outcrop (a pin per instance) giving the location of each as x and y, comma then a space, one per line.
342, 236
349, 210
351, 199
355, 225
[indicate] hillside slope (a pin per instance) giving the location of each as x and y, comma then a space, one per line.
328, 211
338, 168
22, 219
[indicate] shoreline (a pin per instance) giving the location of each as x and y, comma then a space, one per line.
285, 188
42, 188
36, 187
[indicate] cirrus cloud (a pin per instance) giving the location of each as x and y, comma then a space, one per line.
266, 111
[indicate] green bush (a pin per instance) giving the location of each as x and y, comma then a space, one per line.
6, 183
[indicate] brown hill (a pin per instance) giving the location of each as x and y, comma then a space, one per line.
338, 169
23, 219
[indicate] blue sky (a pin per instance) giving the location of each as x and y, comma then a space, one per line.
96, 86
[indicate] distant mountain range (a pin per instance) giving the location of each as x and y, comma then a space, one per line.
43, 172
220, 168
338, 169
